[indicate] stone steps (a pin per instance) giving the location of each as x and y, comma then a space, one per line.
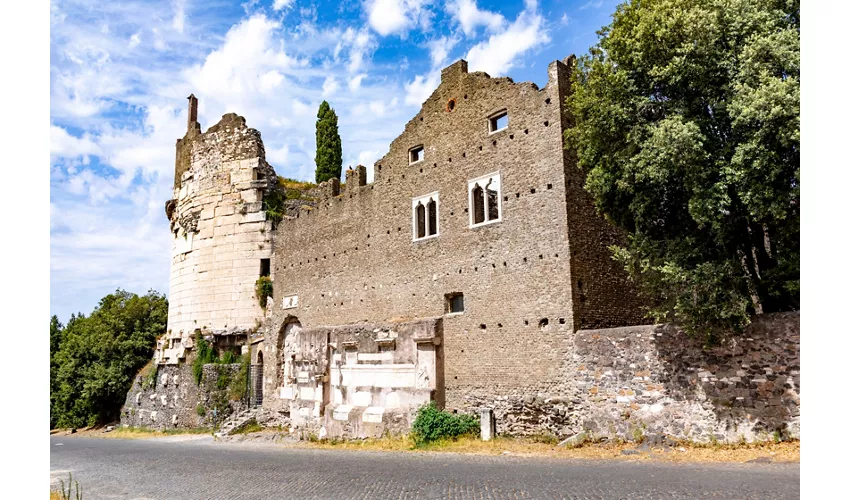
237, 421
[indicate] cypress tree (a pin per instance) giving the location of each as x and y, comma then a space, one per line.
328, 144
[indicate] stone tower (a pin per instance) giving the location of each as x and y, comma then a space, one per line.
221, 238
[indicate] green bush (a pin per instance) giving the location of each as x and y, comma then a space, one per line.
264, 290
200, 410
229, 358
432, 424
204, 354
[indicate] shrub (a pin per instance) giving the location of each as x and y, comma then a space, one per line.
432, 424
200, 410
264, 290
204, 354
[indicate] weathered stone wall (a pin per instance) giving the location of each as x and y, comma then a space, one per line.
173, 401
353, 258
219, 233
656, 381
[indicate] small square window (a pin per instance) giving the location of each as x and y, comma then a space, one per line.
454, 303
417, 154
265, 267
499, 121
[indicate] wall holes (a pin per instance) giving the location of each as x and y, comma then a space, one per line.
452, 212
399, 229
480, 148
525, 259
494, 143
464, 155
506, 198
511, 136
464, 96
533, 190
541, 256
548, 100
517, 195
526, 131
499, 325
476, 268
494, 265
543, 322
459, 271
504, 264
556, 256
402, 176
546, 124
421, 118
548, 186
368, 236
420, 170
482, 326
450, 160
526, 322
561, 320
388, 231
379, 168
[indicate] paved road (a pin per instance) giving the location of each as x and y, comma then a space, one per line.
197, 468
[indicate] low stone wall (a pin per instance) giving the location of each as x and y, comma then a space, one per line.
655, 380
173, 401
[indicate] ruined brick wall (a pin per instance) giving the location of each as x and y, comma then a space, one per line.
172, 402
655, 380
219, 230
352, 258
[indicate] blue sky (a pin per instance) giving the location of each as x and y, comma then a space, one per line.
120, 73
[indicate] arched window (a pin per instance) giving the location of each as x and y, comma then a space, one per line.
420, 220
426, 216
432, 217
484, 202
477, 204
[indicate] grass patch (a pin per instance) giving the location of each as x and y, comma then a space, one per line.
251, 426
146, 432
786, 451
432, 424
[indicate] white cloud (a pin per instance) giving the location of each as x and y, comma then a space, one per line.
421, 88
281, 4
565, 20
330, 86
467, 13
64, 145
440, 48
595, 4
355, 82
135, 40
179, 15
498, 54
397, 16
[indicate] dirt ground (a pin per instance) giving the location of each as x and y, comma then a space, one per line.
788, 451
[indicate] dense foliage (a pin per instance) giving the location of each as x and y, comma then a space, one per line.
93, 359
432, 424
264, 288
688, 124
328, 144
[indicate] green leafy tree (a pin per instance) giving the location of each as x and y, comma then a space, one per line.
99, 355
328, 145
687, 122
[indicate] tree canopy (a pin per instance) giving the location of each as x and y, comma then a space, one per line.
687, 117
93, 359
328, 144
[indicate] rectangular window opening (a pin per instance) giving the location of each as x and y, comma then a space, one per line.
417, 154
499, 122
454, 303
265, 267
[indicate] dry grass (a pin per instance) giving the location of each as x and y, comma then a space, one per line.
294, 184
129, 432
54, 495
776, 452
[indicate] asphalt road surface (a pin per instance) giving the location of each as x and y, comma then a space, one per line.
196, 467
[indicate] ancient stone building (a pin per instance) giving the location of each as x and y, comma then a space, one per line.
473, 271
